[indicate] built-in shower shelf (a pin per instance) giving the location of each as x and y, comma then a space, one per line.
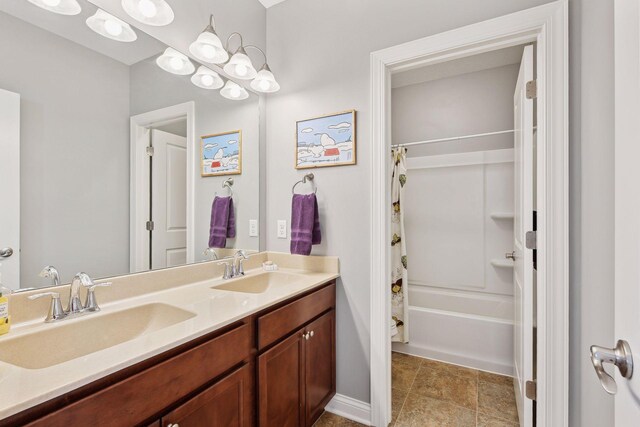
502, 215
502, 263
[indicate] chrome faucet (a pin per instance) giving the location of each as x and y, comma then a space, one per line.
210, 253
51, 272
75, 307
238, 258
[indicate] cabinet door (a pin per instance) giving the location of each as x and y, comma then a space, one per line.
320, 365
280, 382
227, 403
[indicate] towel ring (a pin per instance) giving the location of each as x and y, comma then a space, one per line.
307, 177
228, 183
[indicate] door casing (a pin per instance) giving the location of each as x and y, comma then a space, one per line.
547, 26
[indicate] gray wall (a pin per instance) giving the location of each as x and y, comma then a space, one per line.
74, 149
465, 104
320, 52
152, 88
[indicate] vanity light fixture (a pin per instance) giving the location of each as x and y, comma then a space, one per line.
111, 27
208, 47
234, 91
240, 66
207, 79
264, 81
151, 12
175, 62
62, 7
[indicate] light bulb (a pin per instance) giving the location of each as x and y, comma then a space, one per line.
264, 85
52, 3
234, 92
208, 51
241, 70
207, 80
112, 27
176, 63
147, 8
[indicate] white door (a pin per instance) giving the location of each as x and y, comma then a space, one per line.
168, 200
627, 224
523, 222
10, 188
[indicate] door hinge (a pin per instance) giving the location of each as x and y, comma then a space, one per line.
530, 240
150, 225
532, 89
530, 390
150, 151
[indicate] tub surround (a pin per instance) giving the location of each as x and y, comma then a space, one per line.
190, 288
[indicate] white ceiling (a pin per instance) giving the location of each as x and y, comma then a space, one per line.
75, 29
269, 3
469, 64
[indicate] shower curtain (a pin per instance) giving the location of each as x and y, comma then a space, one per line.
399, 277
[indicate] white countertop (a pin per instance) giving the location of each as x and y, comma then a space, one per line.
213, 308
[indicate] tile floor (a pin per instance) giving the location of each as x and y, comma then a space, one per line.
427, 393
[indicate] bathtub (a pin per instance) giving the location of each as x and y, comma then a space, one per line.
463, 328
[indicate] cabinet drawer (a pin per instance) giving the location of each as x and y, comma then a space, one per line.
278, 323
146, 394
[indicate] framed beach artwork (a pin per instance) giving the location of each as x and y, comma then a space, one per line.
326, 141
221, 154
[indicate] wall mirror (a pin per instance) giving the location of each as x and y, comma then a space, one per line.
111, 178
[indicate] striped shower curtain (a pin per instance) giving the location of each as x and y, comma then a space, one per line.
399, 277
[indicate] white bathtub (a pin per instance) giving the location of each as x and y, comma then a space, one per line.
467, 329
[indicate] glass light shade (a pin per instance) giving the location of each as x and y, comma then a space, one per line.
174, 62
234, 91
111, 27
150, 12
62, 7
240, 66
208, 48
265, 81
207, 79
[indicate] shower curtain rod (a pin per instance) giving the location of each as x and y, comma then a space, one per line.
453, 138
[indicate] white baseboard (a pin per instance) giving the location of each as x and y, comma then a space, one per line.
353, 409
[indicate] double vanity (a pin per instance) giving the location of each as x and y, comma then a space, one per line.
179, 346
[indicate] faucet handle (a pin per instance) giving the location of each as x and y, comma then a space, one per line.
91, 304
55, 309
228, 271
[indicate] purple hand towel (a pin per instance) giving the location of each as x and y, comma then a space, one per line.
223, 222
305, 223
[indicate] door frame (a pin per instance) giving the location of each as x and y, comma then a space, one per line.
547, 26
139, 187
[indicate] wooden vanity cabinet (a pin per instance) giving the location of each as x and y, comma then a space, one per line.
297, 375
273, 368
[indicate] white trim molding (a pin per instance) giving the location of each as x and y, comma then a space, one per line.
547, 26
349, 408
139, 206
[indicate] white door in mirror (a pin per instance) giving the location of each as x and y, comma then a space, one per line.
10, 188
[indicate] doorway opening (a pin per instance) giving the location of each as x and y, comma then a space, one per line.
462, 142
545, 379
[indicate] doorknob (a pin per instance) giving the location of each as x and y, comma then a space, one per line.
620, 356
6, 252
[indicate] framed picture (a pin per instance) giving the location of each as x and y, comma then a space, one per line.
326, 141
221, 154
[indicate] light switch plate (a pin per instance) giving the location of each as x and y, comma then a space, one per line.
253, 228
282, 229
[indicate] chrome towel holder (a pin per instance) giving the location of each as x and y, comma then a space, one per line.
228, 183
308, 177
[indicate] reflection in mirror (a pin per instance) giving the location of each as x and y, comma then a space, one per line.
112, 164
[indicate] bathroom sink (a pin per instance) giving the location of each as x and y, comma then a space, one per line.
72, 339
259, 283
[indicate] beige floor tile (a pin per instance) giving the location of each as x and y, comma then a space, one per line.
448, 383
328, 419
403, 374
406, 359
489, 421
497, 400
397, 400
421, 411
495, 378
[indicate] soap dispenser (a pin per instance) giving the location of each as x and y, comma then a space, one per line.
5, 319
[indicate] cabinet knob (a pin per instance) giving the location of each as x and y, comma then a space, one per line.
311, 333
174, 425
305, 335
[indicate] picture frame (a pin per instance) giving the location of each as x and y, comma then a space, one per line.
221, 154
328, 140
